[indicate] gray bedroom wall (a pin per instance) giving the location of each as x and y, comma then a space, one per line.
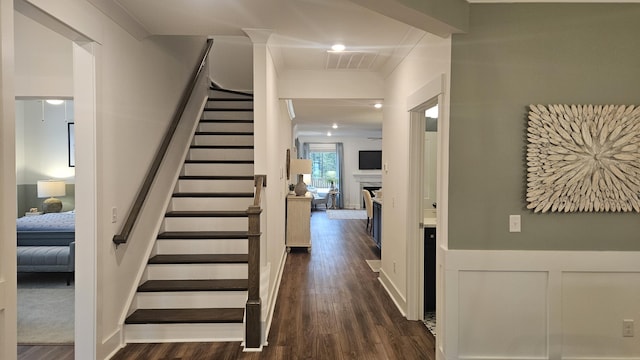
520, 54
42, 151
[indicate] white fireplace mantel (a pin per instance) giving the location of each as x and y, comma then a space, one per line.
368, 177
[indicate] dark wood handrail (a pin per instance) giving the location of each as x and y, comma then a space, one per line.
253, 327
133, 214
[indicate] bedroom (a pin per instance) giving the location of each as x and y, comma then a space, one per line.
43, 132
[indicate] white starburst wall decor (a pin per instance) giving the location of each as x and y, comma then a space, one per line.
583, 158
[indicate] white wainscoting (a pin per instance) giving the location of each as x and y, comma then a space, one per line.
540, 305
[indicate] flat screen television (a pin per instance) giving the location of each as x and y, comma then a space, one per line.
370, 160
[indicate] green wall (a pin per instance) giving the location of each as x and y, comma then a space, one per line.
28, 198
520, 54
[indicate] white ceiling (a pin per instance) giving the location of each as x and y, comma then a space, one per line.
303, 31
354, 118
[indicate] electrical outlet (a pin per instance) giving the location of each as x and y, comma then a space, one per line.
114, 214
394, 267
514, 223
627, 328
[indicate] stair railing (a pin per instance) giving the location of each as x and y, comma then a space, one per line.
134, 213
253, 326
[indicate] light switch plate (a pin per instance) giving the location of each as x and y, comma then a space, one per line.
514, 223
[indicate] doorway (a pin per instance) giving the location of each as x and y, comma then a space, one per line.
45, 169
424, 213
83, 91
429, 209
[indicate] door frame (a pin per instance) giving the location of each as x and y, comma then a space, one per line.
431, 93
84, 95
8, 183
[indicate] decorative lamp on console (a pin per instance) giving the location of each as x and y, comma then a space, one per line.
301, 167
49, 189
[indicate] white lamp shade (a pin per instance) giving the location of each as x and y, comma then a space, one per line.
301, 166
50, 188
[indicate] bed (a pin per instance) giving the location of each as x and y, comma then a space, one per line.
46, 243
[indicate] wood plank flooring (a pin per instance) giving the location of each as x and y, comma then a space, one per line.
330, 306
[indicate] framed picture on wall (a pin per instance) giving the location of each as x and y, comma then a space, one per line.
71, 141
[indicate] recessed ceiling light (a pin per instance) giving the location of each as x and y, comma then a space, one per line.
328, 133
335, 126
55, 101
338, 47
378, 105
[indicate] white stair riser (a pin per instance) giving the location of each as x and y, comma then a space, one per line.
223, 140
220, 154
201, 246
145, 333
229, 104
210, 204
218, 169
196, 271
191, 299
227, 115
225, 126
205, 224
228, 95
215, 186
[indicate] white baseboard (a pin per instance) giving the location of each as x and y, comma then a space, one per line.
113, 343
394, 293
273, 297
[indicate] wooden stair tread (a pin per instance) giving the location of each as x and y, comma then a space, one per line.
218, 88
194, 285
216, 177
203, 213
213, 98
218, 161
200, 259
188, 316
227, 109
230, 121
234, 133
231, 147
216, 194
206, 235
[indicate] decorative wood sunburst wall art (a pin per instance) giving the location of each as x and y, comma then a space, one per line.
583, 158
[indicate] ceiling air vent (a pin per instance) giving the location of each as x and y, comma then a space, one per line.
350, 60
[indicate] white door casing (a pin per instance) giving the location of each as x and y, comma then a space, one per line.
430, 94
8, 291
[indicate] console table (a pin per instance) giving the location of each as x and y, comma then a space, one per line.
298, 221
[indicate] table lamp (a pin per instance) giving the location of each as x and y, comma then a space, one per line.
49, 189
301, 167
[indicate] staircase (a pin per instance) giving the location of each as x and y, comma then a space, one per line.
195, 284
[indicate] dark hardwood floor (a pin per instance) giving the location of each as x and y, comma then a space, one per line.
45, 352
330, 306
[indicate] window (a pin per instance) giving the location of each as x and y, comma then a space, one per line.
324, 169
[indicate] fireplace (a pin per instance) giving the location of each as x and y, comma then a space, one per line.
368, 181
